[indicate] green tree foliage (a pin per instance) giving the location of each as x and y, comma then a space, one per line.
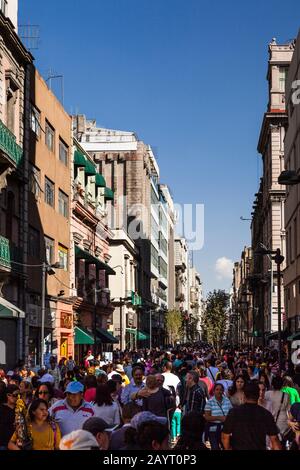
174, 325
215, 318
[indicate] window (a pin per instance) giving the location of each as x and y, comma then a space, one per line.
34, 242
3, 6
282, 78
63, 152
49, 136
154, 256
35, 121
154, 229
163, 244
163, 268
163, 220
63, 204
35, 181
63, 257
49, 248
49, 192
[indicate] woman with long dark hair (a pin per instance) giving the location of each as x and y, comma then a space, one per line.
45, 392
44, 433
105, 408
236, 393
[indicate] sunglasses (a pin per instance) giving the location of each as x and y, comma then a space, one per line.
15, 395
43, 393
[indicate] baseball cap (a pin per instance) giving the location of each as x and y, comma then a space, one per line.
47, 378
78, 440
144, 416
95, 425
74, 387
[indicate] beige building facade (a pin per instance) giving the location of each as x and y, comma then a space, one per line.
292, 202
49, 215
268, 210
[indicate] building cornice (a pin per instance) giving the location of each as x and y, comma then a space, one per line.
10, 36
269, 118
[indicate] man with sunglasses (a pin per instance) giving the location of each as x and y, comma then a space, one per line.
7, 415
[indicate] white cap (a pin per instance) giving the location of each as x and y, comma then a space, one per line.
78, 440
47, 378
10, 373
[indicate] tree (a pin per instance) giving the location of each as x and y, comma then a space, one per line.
215, 318
174, 325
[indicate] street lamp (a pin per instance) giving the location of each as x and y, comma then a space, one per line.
49, 268
96, 291
278, 258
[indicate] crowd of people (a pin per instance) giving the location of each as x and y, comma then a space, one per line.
188, 399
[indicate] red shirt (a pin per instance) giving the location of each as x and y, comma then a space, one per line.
90, 394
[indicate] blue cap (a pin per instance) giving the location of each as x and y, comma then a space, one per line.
74, 387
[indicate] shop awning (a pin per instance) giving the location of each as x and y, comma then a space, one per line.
82, 336
90, 259
9, 310
294, 336
79, 159
141, 336
100, 181
106, 337
90, 169
108, 194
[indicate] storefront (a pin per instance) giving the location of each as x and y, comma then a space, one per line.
9, 347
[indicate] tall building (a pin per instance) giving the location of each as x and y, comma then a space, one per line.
241, 301
89, 255
292, 202
141, 209
268, 216
49, 215
182, 292
14, 115
196, 304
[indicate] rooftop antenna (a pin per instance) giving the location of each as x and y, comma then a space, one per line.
52, 76
30, 35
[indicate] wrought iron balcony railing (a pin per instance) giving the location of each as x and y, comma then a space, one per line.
9, 145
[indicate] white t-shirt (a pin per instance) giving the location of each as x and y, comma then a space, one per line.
170, 380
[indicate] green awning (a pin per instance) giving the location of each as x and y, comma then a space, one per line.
9, 310
141, 336
108, 194
294, 336
82, 336
100, 181
106, 337
90, 259
90, 169
79, 159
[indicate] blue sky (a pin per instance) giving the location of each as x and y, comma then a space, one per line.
188, 76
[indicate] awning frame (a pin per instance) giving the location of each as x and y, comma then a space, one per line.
16, 311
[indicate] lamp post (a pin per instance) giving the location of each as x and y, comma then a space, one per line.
278, 258
96, 291
46, 268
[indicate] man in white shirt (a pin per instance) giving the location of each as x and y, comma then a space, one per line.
171, 380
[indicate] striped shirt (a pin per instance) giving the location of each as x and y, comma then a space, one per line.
218, 409
69, 419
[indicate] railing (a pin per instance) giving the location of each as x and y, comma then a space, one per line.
9, 253
5, 252
9, 145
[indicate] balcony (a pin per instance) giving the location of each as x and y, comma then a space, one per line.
9, 146
9, 253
